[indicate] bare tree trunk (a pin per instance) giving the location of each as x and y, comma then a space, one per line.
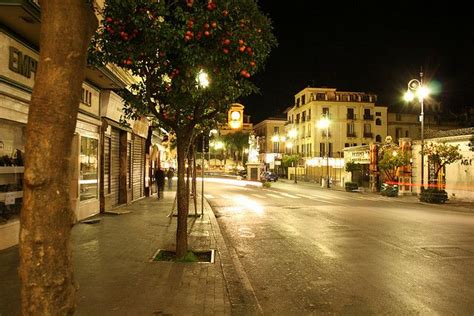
46, 218
182, 194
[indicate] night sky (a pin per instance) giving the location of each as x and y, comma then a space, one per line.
365, 49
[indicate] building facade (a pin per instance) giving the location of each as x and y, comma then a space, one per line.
354, 120
105, 157
272, 140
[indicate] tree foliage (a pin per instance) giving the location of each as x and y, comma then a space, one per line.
289, 160
390, 159
440, 155
169, 45
351, 167
235, 143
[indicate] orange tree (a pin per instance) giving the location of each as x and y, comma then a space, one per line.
194, 59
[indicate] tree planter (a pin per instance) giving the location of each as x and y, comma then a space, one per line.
433, 195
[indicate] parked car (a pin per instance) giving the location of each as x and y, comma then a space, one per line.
269, 176
242, 173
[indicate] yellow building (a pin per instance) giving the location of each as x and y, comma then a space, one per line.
272, 138
354, 120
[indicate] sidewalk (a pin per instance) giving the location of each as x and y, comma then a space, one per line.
116, 277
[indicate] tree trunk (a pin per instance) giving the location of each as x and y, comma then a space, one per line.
182, 229
47, 283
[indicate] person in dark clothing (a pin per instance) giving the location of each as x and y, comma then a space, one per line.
160, 182
170, 175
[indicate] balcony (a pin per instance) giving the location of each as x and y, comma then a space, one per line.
351, 134
351, 116
368, 135
368, 117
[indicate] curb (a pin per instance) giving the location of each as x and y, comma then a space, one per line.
241, 293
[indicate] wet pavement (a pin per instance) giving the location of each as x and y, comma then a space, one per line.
308, 250
115, 274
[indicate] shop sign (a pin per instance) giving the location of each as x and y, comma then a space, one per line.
140, 127
360, 157
21, 63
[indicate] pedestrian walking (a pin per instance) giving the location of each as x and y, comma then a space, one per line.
160, 182
170, 175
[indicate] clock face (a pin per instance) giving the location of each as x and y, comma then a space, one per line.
235, 115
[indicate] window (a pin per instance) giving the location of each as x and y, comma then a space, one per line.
378, 122
366, 128
308, 134
322, 149
276, 147
406, 133
398, 132
325, 112
89, 168
321, 96
398, 117
347, 145
276, 130
297, 118
303, 99
350, 130
330, 150
378, 113
309, 114
298, 102
303, 116
350, 114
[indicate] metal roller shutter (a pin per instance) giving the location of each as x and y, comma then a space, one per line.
138, 167
115, 166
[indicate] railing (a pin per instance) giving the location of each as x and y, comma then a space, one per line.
368, 135
368, 117
351, 116
351, 135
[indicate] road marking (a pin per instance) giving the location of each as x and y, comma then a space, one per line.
328, 197
274, 196
209, 196
290, 195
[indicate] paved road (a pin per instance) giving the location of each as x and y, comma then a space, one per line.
311, 250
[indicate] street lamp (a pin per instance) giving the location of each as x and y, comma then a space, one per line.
292, 135
417, 89
324, 123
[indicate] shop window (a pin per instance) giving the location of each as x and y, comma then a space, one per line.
89, 168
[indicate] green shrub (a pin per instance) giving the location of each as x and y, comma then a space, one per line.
433, 195
266, 184
351, 186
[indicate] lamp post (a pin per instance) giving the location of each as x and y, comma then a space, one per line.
416, 88
324, 123
292, 135
202, 81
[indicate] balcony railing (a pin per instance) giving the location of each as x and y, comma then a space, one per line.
368, 135
351, 134
351, 116
368, 117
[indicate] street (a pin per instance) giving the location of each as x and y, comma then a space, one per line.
311, 250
